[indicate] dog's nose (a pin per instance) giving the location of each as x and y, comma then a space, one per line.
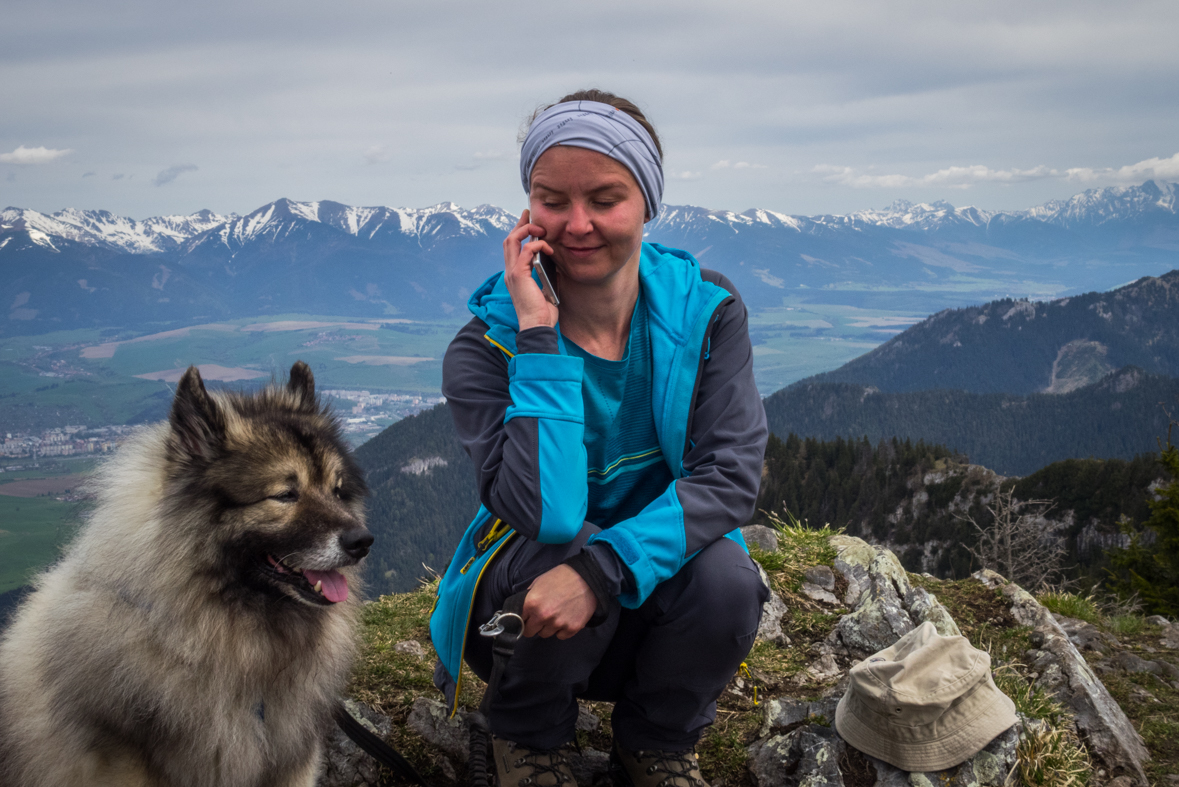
356, 542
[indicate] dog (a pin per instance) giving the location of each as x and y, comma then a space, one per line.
200, 629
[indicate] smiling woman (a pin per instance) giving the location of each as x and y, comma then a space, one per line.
618, 439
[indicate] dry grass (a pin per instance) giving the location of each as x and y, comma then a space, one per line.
1051, 757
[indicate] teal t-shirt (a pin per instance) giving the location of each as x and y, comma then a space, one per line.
626, 467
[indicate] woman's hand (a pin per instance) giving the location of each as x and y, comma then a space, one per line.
532, 309
558, 602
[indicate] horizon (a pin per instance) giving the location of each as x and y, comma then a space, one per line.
891, 206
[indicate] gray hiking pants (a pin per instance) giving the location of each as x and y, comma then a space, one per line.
663, 664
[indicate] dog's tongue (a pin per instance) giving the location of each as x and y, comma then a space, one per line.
335, 586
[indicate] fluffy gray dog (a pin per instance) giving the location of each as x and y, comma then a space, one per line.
200, 628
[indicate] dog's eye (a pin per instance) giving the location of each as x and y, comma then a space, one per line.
289, 496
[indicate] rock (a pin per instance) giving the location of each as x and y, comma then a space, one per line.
806, 757
587, 721
760, 536
821, 576
772, 612
411, 647
1159, 620
1170, 638
885, 606
1101, 723
1086, 636
822, 670
786, 714
1130, 662
431, 720
816, 593
345, 764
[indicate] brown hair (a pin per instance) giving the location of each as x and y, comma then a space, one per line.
602, 97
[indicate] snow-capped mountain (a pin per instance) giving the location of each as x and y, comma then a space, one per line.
104, 229
75, 267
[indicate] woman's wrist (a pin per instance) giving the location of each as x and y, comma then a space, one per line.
528, 322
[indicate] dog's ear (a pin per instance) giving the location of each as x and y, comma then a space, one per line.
198, 425
302, 386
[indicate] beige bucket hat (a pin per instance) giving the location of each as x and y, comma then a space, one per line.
925, 704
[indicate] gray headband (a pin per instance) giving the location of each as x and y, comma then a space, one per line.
601, 128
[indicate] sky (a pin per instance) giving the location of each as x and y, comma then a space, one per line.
168, 107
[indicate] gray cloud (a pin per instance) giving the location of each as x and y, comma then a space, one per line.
282, 100
171, 173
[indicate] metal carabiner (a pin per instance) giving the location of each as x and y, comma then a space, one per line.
495, 626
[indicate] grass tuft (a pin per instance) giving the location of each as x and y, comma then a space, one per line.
1072, 605
799, 548
1049, 756
1029, 700
1125, 625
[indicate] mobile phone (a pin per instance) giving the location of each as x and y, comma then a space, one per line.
546, 270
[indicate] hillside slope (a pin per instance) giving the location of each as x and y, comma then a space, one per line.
1117, 417
423, 495
1023, 347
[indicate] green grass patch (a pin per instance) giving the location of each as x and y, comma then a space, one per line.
1125, 625
1072, 605
32, 532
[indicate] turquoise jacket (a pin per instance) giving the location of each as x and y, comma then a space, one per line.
517, 404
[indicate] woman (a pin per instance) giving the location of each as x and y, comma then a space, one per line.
620, 437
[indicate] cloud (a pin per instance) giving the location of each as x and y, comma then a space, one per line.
726, 164
684, 175
965, 177
1161, 168
377, 154
117, 176
89, 174
42, 155
170, 174
491, 155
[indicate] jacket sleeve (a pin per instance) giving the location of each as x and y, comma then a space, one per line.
722, 464
521, 421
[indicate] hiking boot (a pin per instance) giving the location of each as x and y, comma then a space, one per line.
650, 768
518, 766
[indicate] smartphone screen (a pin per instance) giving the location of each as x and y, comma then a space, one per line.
546, 269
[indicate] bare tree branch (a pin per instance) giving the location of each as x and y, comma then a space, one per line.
1016, 544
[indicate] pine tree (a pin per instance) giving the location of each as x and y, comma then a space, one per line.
1152, 569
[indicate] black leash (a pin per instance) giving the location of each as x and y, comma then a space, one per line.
505, 626
375, 747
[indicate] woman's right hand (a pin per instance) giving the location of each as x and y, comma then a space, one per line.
532, 308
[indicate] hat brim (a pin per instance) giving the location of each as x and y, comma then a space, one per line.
995, 714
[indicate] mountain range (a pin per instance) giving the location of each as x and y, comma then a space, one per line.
78, 268
1022, 347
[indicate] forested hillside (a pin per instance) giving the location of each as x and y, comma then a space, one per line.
422, 497
1023, 347
914, 497
903, 493
1118, 417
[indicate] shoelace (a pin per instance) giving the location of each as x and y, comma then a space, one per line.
530, 758
676, 766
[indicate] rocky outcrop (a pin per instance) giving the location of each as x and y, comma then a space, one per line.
1064, 674
798, 746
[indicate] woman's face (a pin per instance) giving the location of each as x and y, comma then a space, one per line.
592, 210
